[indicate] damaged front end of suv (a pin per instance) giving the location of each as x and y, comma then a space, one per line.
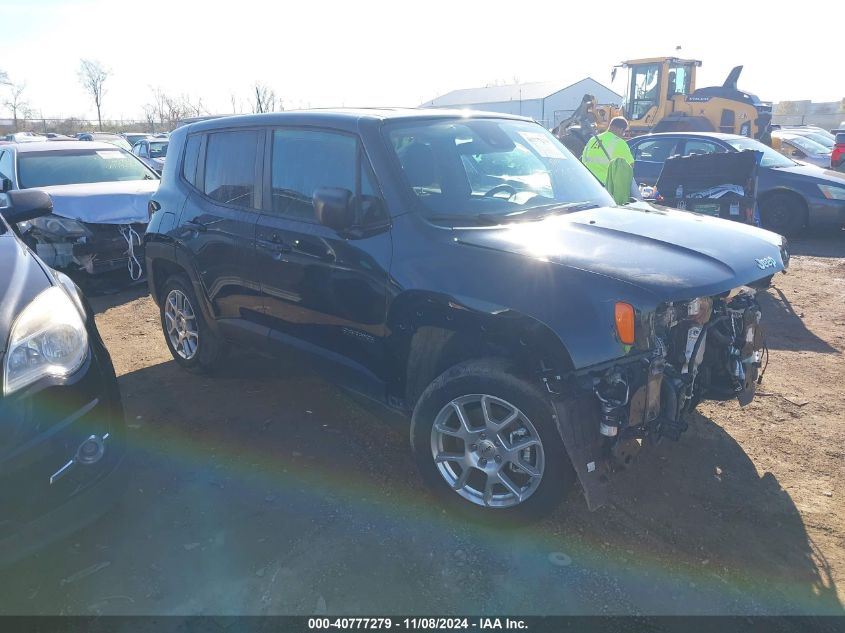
679, 354
84, 249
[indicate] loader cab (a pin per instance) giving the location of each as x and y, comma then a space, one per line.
655, 85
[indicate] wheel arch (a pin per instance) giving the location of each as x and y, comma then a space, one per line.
431, 333
782, 190
161, 265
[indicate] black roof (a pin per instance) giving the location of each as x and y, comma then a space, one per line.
343, 118
717, 135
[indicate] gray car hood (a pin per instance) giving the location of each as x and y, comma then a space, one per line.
122, 202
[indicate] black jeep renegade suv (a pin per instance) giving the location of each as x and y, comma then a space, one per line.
466, 270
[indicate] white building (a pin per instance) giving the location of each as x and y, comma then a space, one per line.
546, 102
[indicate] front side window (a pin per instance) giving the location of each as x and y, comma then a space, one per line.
655, 150
467, 167
306, 160
230, 167
63, 167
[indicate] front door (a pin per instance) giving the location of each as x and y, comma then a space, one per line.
649, 156
218, 221
323, 292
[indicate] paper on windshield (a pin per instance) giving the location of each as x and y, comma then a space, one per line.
543, 144
109, 154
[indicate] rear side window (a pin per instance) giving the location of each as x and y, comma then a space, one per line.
230, 167
304, 161
6, 166
192, 154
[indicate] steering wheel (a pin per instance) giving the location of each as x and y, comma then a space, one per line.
499, 189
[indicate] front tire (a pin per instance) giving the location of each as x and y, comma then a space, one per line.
192, 343
783, 213
485, 442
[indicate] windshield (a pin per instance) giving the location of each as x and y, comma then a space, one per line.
808, 145
467, 167
771, 158
43, 169
158, 150
118, 141
827, 140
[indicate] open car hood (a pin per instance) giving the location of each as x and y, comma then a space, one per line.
671, 254
104, 202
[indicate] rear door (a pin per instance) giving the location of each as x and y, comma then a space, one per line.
218, 221
649, 155
324, 292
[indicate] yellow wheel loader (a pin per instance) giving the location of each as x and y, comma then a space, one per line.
661, 97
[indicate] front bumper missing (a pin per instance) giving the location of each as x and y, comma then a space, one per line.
107, 248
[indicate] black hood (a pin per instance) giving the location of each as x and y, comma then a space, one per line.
21, 280
671, 254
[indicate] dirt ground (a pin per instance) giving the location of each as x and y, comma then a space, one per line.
265, 490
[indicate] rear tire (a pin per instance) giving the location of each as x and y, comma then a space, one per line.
193, 344
783, 213
489, 468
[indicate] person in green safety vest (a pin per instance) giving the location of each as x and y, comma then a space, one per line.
603, 148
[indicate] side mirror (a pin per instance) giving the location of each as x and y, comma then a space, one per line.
798, 153
26, 204
5, 185
333, 208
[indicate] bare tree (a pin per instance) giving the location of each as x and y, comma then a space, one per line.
265, 98
93, 76
237, 104
15, 102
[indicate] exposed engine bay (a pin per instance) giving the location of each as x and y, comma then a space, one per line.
87, 249
706, 348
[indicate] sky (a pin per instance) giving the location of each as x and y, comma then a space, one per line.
402, 53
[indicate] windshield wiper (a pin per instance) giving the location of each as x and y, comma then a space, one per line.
479, 218
538, 213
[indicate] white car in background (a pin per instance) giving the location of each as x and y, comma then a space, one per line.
152, 152
100, 197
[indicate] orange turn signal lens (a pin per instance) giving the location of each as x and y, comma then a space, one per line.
624, 316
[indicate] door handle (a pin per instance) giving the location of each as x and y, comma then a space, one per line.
199, 227
275, 244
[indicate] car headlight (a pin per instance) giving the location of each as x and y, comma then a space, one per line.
48, 339
832, 193
58, 226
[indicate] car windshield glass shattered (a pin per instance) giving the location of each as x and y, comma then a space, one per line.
465, 168
43, 169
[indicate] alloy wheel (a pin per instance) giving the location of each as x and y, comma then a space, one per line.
487, 451
180, 323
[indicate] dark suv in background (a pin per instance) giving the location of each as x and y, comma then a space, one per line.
467, 271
